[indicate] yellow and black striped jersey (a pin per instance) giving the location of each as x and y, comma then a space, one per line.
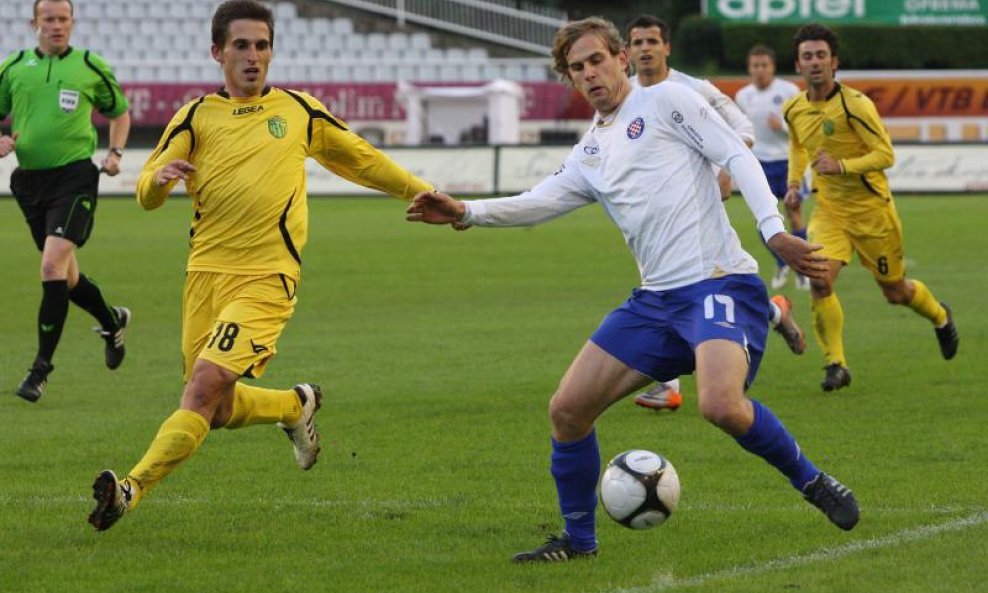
847, 126
248, 189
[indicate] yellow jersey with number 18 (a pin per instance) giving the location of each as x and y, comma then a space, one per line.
847, 126
248, 190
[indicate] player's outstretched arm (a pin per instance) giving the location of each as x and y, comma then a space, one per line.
434, 207
800, 255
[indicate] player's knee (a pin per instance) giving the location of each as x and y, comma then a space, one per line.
723, 412
896, 294
566, 421
820, 289
205, 391
52, 269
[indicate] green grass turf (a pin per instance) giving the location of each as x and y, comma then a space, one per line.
439, 351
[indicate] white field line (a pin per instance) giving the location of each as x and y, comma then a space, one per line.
669, 582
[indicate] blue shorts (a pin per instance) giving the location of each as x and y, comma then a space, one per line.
777, 173
657, 332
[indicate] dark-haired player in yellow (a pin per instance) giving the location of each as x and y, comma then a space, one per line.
241, 153
837, 131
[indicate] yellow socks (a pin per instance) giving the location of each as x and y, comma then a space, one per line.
182, 433
828, 327
255, 405
927, 305
177, 439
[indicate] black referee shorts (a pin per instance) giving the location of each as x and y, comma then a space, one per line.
59, 202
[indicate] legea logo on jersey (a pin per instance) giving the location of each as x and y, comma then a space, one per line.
636, 128
278, 127
68, 100
591, 149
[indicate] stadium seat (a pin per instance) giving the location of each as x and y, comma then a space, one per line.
398, 42
318, 72
470, 73
377, 42
340, 73
284, 11
296, 27
355, 43
434, 55
449, 73
342, 26
420, 41
425, 72
158, 11
321, 26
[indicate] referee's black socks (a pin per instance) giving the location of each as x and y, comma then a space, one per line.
51, 316
86, 294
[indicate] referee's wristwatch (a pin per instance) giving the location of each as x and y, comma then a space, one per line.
117, 151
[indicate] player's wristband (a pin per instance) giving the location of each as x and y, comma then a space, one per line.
116, 151
771, 227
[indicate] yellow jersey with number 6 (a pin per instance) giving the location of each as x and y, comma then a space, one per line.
845, 125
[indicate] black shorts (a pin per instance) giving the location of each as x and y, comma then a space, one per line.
60, 202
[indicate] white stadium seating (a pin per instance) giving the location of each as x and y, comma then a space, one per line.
154, 41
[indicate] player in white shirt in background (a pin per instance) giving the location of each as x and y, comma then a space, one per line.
700, 305
649, 48
761, 100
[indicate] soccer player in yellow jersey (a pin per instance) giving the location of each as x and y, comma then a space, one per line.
241, 153
837, 131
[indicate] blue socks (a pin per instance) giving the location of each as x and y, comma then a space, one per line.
576, 468
770, 440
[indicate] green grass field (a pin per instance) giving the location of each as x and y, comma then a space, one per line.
439, 351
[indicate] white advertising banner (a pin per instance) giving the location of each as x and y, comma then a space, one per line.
464, 170
521, 167
919, 168
940, 168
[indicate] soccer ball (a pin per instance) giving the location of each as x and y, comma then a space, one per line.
639, 489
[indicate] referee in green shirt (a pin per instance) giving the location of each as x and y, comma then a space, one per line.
51, 92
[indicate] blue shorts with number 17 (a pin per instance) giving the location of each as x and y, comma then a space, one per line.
657, 332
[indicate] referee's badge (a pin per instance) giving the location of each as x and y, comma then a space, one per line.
68, 100
636, 128
277, 127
